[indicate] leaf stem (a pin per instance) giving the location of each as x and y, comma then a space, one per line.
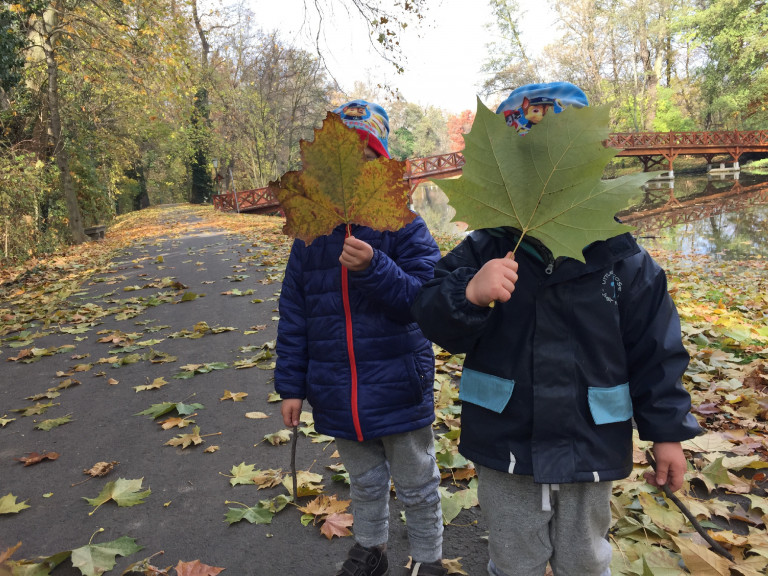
97, 531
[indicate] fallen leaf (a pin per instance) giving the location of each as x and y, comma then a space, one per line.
337, 525
8, 504
196, 568
95, 559
35, 458
124, 493
234, 396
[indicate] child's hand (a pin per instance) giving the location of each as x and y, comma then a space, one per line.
670, 466
356, 254
291, 410
494, 281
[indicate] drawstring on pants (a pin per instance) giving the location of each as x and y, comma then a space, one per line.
546, 500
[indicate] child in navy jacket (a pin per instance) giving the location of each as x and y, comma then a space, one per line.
347, 344
555, 375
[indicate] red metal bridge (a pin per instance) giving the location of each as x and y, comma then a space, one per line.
652, 148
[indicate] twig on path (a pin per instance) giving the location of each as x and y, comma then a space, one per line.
716, 547
294, 440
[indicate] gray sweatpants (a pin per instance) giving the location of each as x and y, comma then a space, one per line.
524, 535
409, 460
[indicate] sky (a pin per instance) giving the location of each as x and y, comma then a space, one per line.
443, 64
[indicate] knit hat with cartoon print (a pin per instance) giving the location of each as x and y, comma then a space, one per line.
558, 95
370, 121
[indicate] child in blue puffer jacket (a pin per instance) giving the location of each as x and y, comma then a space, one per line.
347, 344
555, 374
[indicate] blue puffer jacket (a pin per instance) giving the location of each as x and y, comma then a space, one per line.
349, 346
554, 377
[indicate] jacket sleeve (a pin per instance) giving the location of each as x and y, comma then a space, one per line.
394, 281
656, 358
291, 347
442, 310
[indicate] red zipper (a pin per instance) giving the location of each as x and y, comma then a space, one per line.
350, 349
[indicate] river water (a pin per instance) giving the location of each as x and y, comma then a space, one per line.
723, 215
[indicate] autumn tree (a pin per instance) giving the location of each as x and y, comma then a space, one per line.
458, 125
508, 64
732, 38
269, 98
416, 131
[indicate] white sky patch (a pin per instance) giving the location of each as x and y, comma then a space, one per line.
444, 56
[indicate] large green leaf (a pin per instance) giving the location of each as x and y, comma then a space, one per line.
95, 559
546, 184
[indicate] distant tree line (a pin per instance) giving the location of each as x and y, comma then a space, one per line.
663, 64
111, 106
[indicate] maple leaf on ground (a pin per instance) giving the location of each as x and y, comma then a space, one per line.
52, 423
42, 567
234, 396
308, 483
325, 506
257, 514
184, 440
8, 552
338, 186
124, 492
546, 184
337, 525
35, 458
177, 422
101, 469
196, 568
95, 559
8, 504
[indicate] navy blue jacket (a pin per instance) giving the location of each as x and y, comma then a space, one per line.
350, 347
554, 377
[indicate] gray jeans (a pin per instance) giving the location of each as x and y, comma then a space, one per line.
409, 460
525, 536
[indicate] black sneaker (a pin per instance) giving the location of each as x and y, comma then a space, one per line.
431, 569
364, 562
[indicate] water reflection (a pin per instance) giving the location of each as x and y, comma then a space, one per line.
725, 215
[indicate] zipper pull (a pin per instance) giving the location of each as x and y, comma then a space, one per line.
549, 268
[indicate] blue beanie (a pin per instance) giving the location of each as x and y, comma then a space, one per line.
371, 122
559, 95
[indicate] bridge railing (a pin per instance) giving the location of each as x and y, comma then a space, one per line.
430, 165
630, 140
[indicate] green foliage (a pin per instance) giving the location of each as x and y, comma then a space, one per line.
670, 115
11, 44
32, 215
401, 143
734, 75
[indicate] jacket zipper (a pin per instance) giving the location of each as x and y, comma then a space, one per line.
350, 350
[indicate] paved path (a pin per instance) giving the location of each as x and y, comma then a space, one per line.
184, 515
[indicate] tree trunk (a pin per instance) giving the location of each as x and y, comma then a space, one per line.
58, 141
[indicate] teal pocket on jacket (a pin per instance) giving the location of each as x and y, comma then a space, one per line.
485, 390
609, 405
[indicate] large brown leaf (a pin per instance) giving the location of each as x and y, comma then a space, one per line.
338, 186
